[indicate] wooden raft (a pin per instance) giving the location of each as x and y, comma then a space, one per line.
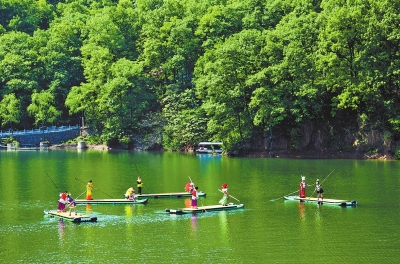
204, 209
111, 201
169, 195
322, 201
78, 218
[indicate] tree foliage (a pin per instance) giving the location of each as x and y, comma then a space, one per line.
225, 70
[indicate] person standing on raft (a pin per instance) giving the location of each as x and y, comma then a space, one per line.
319, 190
89, 188
71, 204
139, 185
62, 201
225, 198
194, 198
303, 185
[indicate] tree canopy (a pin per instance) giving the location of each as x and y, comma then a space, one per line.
243, 72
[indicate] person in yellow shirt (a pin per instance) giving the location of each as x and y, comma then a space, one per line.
139, 185
130, 193
89, 188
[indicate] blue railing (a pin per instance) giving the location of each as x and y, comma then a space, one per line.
36, 131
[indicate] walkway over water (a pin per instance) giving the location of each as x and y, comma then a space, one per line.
33, 137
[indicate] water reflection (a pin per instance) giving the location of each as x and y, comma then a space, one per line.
194, 223
301, 210
61, 230
88, 208
188, 202
128, 211
223, 222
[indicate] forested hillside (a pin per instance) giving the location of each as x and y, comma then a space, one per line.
257, 75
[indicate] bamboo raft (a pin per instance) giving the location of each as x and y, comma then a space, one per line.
343, 203
78, 218
111, 201
169, 195
204, 209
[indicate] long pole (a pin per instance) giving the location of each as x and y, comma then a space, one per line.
137, 171
230, 196
273, 200
80, 195
53, 183
136, 167
94, 188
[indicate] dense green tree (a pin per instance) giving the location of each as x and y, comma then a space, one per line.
221, 82
186, 123
42, 108
10, 110
173, 73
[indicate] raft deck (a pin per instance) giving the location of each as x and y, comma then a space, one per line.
169, 195
322, 201
111, 201
204, 209
78, 218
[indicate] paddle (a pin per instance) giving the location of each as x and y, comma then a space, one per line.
273, 200
321, 184
230, 196
80, 195
94, 188
53, 183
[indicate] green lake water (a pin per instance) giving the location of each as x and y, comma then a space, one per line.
266, 231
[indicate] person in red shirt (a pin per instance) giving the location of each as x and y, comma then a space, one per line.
303, 185
62, 201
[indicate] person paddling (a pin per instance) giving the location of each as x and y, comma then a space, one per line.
319, 190
194, 198
72, 204
89, 187
62, 201
139, 185
225, 198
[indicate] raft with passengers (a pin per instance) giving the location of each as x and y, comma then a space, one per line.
320, 199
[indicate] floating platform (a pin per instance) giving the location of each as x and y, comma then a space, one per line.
111, 201
343, 203
169, 195
78, 218
204, 209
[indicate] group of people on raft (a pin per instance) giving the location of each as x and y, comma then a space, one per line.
64, 201
191, 188
130, 193
65, 197
318, 189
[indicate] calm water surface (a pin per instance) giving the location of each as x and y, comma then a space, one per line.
265, 231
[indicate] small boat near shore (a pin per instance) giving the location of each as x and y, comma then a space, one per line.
111, 201
343, 203
76, 218
204, 209
169, 195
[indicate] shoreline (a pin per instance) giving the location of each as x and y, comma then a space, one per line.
307, 154
301, 154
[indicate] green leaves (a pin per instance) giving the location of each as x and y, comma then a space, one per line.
10, 109
42, 108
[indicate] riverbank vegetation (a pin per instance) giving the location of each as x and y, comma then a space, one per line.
257, 75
